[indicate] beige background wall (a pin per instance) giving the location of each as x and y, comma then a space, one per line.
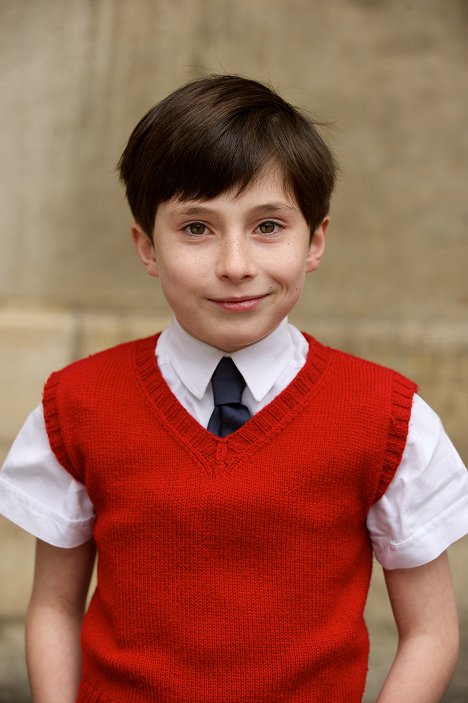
390, 77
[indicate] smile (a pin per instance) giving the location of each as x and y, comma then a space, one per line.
238, 304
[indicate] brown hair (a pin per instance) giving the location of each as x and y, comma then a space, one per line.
217, 133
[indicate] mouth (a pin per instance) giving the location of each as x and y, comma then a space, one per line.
238, 304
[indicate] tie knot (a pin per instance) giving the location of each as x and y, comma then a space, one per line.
227, 382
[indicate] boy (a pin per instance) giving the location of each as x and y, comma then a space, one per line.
232, 472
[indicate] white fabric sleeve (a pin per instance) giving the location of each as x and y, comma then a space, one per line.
425, 507
39, 495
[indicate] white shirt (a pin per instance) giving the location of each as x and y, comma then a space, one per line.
424, 510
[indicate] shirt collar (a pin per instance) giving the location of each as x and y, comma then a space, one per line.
193, 361
260, 364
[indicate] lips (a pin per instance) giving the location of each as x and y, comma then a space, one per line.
236, 303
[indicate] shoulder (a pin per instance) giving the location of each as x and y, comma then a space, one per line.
108, 361
99, 376
87, 389
361, 372
379, 399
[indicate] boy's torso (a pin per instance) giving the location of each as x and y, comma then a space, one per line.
218, 555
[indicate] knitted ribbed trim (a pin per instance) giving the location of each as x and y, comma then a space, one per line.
220, 454
401, 403
89, 695
53, 424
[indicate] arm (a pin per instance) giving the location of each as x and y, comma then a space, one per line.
424, 608
53, 623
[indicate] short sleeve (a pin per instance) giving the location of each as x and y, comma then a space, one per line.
39, 495
425, 508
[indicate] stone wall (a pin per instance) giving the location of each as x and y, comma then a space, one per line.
390, 79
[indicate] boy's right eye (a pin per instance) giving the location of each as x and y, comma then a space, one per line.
196, 228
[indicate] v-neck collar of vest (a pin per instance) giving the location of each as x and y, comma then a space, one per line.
216, 453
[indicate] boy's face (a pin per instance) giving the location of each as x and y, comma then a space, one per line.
232, 268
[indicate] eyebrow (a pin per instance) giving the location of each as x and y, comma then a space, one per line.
264, 208
273, 207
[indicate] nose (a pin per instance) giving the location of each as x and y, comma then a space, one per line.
235, 259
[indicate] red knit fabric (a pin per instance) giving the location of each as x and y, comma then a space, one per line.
230, 570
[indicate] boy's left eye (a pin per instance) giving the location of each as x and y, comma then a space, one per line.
269, 227
196, 228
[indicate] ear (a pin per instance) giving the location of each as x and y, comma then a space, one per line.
317, 245
145, 250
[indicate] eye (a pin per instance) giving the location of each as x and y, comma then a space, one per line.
269, 227
196, 228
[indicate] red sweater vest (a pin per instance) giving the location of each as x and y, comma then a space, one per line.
230, 570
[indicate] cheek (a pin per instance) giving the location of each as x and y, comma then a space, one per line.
177, 271
291, 268
296, 281
182, 286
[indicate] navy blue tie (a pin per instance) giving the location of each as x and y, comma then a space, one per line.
229, 414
